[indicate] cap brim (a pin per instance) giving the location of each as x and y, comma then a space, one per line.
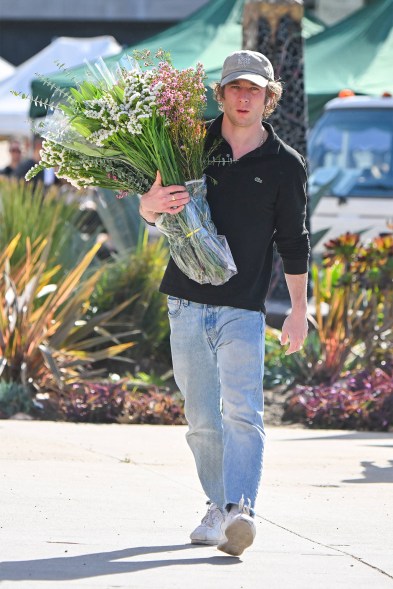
254, 78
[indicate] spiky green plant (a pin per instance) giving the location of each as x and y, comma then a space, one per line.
43, 325
136, 275
32, 212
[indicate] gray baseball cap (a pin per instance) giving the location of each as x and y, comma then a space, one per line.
247, 65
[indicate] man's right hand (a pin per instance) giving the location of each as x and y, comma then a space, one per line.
162, 199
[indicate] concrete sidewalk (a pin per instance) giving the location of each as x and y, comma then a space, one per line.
92, 506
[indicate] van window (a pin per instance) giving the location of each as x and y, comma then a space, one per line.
357, 144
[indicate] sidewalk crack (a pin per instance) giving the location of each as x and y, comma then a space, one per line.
335, 549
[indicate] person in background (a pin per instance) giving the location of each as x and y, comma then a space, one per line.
46, 176
15, 151
28, 163
256, 189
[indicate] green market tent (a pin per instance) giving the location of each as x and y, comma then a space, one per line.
207, 36
356, 53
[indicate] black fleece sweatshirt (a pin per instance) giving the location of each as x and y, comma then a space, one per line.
254, 201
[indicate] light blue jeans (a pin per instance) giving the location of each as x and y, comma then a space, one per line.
218, 355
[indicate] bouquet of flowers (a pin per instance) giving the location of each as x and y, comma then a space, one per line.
118, 128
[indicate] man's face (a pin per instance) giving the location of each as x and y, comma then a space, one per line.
244, 103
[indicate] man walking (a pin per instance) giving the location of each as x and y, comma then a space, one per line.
257, 196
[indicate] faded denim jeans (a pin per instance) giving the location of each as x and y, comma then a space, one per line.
218, 355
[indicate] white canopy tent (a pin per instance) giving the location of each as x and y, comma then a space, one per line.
70, 51
6, 69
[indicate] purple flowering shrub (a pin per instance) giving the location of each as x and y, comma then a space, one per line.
362, 400
117, 403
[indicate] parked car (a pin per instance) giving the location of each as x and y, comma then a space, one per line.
351, 152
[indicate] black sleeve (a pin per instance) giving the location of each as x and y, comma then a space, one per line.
291, 235
24, 166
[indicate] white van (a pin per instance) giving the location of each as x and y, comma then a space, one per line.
350, 151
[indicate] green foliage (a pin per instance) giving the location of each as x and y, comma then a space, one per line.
136, 276
14, 398
121, 220
278, 368
41, 320
318, 191
353, 305
152, 379
353, 317
32, 213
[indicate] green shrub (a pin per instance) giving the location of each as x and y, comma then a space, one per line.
43, 324
353, 299
278, 368
136, 276
14, 398
352, 322
32, 213
352, 325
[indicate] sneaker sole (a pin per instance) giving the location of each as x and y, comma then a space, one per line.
205, 542
239, 536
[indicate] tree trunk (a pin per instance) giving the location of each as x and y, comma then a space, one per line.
274, 29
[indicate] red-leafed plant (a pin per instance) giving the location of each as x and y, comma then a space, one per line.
363, 400
121, 402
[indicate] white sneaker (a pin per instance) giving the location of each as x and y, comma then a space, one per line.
209, 530
239, 530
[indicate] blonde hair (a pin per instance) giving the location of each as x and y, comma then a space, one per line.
273, 95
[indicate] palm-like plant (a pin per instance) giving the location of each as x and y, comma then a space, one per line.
42, 323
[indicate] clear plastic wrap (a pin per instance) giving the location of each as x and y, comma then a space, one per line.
195, 247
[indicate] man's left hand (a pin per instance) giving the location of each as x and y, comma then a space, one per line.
294, 331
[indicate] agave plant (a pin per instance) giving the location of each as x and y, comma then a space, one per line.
43, 325
121, 219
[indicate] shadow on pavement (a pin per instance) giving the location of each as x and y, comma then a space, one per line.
374, 474
95, 565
